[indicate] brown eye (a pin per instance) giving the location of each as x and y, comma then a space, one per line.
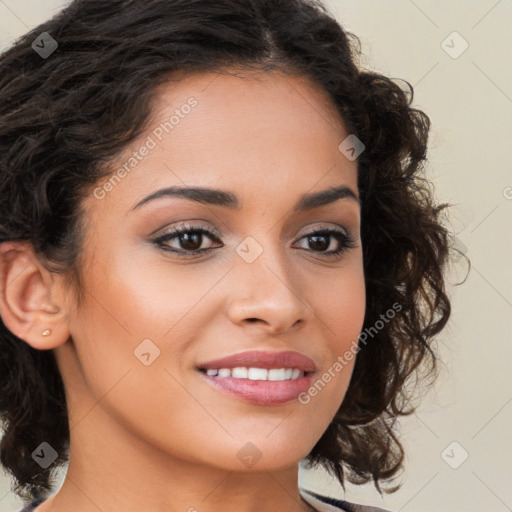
188, 240
321, 240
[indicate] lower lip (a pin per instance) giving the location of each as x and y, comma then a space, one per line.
262, 392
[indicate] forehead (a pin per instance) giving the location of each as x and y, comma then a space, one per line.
237, 92
242, 130
256, 103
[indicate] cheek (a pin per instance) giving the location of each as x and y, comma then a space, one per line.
131, 311
342, 305
135, 313
341, 310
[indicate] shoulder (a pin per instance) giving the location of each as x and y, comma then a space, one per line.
328, 504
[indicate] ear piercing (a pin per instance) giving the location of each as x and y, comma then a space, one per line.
46, 332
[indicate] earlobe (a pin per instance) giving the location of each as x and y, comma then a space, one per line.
31, 303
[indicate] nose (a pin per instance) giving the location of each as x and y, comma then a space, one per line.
267, 293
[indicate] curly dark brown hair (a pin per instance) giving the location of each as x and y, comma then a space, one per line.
64, 118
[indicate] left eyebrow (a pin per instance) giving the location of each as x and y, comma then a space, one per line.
316, 199
228, 199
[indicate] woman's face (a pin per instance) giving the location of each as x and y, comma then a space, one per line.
154, 311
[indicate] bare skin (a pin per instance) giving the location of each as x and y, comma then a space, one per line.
160, 437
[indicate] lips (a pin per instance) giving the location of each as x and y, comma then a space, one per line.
256, 389
262, 359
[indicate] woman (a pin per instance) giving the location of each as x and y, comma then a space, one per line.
219, 258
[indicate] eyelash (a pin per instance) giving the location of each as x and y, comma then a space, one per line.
344, 238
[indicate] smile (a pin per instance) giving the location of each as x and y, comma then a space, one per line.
251, 373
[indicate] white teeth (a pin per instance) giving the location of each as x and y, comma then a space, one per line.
239, 373
276, 374
256, 373
295, 373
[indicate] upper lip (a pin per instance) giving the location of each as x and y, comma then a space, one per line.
263, 359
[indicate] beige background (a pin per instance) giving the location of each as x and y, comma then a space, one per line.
469, 100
